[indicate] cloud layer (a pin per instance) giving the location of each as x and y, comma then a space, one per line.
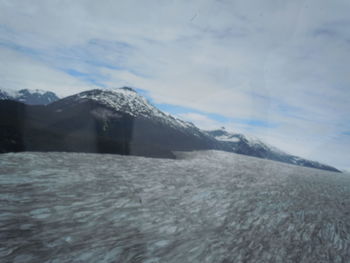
274, 69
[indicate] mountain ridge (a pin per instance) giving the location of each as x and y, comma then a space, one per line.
118, 121
243, 144
29, 96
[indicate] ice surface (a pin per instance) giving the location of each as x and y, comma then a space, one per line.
206, 206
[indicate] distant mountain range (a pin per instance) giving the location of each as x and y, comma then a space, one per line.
28, 96
116, 121
243, 144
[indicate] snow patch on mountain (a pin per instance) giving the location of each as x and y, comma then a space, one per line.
18, 93
227, 139
253, 146
29, 96
252, 141
128, 101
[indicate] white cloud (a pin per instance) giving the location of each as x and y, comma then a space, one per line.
200, 120
281, 62
21, 72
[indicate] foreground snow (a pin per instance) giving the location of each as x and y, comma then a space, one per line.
207, 206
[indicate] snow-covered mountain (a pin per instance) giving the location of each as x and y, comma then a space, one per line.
104, 121
119, 121
128, 101
29, 96
248, 145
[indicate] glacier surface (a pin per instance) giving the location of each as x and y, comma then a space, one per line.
207, 206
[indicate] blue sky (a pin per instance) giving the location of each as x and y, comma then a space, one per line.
278, 70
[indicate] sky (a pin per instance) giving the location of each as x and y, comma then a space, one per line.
277, 70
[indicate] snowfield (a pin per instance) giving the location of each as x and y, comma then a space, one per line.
207, 206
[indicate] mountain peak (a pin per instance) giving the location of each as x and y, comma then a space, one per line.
253, 146
29, 96
128, 89
219, 132
122, 99
127, 100
123, 121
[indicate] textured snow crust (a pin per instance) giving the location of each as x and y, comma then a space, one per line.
207, 206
